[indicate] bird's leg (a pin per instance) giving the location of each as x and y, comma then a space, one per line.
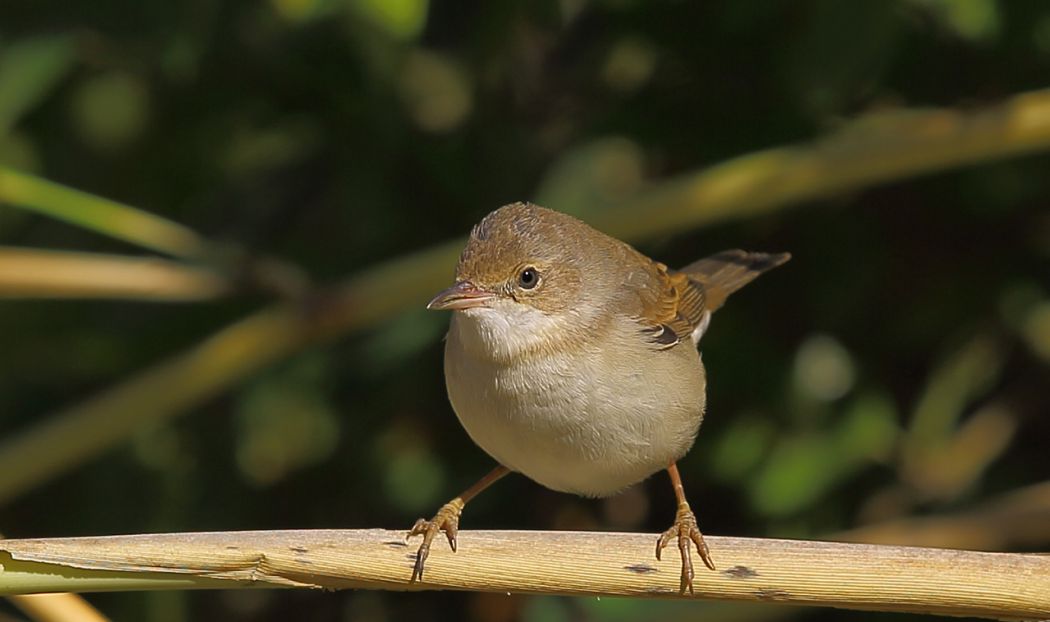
447, 520
686, 531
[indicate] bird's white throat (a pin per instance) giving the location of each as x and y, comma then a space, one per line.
506, 330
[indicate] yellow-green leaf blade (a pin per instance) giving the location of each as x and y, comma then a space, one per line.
104, 216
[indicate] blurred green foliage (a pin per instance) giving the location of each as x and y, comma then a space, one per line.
896, 367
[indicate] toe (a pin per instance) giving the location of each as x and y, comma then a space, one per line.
419, 527
701, 546
421, 558
687, 573
664, 539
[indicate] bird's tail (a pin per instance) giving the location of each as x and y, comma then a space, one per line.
722, 274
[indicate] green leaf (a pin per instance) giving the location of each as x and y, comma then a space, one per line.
869, 428
974, 20
110, 218
798, 472
110, 110
286, 423
741, 449
29, 69
954, 384
414, 478
402, 19
600, 172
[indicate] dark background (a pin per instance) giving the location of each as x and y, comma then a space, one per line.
896, 368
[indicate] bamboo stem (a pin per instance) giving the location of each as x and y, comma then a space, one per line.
853, 576
32, 273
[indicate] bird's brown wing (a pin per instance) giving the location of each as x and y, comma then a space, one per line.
722, 274
679, 303
672, 306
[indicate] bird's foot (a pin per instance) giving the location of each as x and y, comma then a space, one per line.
446, 520
686, 531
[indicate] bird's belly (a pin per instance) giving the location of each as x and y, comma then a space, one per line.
574, 425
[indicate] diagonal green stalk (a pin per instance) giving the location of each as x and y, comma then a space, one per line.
880, 148
100, 215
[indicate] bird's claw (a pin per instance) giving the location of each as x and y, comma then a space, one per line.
446, 520
686, 531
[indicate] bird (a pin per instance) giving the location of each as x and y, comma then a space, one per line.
572, 359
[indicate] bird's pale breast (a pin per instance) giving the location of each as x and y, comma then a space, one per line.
590, 420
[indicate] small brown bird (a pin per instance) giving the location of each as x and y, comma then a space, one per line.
572, 359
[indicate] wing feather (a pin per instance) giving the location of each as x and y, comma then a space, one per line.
678, 304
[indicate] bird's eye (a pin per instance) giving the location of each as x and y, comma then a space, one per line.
528, 278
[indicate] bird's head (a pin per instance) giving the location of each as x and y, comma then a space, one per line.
521, 280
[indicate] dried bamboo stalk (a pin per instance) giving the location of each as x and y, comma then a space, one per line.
854, 576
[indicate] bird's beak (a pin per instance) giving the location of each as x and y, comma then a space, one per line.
462, 295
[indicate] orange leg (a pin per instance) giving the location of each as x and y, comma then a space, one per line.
686, 531
447, 520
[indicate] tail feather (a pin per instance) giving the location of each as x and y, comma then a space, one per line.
723, 273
